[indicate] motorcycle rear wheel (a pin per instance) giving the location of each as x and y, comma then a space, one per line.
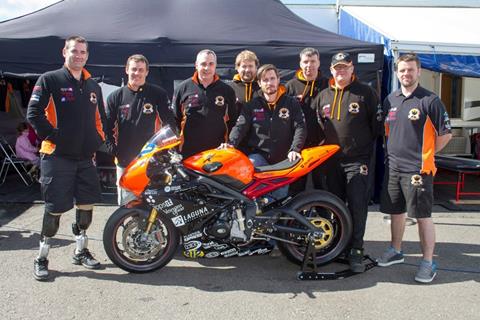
130, 248
328, 213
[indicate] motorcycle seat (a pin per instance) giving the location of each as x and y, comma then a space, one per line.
282, 165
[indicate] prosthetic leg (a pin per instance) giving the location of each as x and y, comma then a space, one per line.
81, 255
50, 226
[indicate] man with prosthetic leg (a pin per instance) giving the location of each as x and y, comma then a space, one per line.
65, 109
81, 256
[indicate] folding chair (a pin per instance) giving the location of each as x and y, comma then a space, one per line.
11, 160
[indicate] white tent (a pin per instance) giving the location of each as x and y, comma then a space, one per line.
446, 38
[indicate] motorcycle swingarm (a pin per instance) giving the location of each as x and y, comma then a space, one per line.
309, 270
310, 228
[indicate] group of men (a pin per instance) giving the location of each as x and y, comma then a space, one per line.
268, 121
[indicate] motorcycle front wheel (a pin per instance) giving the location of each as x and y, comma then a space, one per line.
131, 248
328, 213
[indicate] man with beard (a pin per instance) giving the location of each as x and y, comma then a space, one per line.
273, 124
347, 111
204, 107
305, 86
417, 126
65, 110
244, 82
133, 114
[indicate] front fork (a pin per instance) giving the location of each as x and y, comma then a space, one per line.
151, 220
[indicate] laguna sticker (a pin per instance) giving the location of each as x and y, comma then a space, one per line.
178, 221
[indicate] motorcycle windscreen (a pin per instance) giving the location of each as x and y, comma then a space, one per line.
135, 177
229, 166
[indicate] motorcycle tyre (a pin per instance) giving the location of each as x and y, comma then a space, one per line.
324, 199
109, 242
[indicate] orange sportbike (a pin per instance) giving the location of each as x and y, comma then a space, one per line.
216, 204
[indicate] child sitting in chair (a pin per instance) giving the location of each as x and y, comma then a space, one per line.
25, 150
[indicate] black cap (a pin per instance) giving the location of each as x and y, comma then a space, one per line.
341, 58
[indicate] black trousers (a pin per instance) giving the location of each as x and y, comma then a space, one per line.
348, 180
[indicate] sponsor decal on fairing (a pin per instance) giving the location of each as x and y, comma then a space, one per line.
193, 235
196, 214
212, 254
178, 221
192, 245
229, 253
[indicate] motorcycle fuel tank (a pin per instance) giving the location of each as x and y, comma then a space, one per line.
229, 166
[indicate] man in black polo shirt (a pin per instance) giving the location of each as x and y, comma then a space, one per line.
347, 112
133, 114
305, 86
416, 126
204, 107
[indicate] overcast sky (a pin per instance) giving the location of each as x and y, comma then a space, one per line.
14, 8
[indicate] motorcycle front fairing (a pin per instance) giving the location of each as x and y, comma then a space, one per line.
135, 177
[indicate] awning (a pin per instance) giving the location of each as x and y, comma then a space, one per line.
445, 38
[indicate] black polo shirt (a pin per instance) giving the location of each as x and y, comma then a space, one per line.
411, 125
204, 115
132, 117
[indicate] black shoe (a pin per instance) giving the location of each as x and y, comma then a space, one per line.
85, 259
40, 269
355, 260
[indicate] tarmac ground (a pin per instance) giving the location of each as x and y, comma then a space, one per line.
263, 287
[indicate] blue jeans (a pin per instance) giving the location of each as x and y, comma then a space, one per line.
258, 161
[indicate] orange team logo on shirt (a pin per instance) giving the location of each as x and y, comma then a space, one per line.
414, 114
93, 97
364, 170
220, 101
417, 180
284, 113
354, 108
147, 108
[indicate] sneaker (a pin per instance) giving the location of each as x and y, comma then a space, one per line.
355, 260
389, 257
85, 259
426, 272
40, 269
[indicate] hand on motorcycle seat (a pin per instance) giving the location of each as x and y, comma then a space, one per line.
292, 156
225, 146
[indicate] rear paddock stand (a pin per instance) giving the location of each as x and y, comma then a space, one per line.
309, 269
